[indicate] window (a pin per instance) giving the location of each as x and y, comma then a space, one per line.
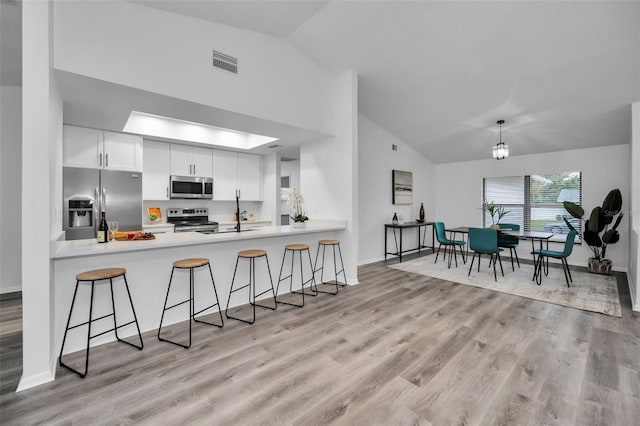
535, 201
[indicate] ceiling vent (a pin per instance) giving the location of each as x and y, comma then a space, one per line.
225, 62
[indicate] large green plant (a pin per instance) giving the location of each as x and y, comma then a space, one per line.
598, 232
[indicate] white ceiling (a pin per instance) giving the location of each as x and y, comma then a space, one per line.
438, 75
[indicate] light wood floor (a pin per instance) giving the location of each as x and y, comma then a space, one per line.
397, 349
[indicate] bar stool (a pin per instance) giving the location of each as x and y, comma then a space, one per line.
324, 244
190, 264
93, 276
299, 248
251, 255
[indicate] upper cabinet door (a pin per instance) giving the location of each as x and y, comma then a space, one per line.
82, 147
250, 176
225, 175
181, 164
202, 163
122, 151
155, 173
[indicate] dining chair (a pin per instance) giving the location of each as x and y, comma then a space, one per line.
507, 241
562, 255
449, 244
485, 241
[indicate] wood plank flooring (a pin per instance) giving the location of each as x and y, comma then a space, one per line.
396, 349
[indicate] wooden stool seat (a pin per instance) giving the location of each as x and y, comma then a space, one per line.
190, 263
296, 247
329, 242
251, 253
100, 274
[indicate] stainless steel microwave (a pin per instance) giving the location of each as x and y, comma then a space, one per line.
190, 187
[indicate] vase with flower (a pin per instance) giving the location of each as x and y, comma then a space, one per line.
296, 203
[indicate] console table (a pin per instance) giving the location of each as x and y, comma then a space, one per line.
401, 227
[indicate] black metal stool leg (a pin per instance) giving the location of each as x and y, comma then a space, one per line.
135, 318
215, 293
313, 276
190, 301
67, 328
290, 276
231, 290
321, 269
273, 291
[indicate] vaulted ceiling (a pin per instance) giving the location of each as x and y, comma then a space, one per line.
438, 75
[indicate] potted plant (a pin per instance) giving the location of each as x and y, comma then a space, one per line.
495, 210
598, 232
296, 203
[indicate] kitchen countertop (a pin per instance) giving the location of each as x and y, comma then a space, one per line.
79, 248
157, 225
233, 222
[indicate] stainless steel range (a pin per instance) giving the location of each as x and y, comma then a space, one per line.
191, 220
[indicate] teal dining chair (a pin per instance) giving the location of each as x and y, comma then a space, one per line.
448, 244
485, 241
562, 255
509, 242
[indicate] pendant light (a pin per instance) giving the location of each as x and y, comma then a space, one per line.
500, 150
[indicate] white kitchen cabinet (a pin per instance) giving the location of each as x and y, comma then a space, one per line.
191, 161
250, 176
156, 170
234, 171
225, 175
97, 149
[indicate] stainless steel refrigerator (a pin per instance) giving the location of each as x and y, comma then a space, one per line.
87, 192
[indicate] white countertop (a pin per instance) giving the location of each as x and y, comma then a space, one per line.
78, 248
233, 222
157, 225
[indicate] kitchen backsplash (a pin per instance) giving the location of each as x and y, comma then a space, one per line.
218, 210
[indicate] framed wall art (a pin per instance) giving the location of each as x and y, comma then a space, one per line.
402, 187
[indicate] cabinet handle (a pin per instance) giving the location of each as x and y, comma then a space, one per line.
106, 160
194, 169
167, 192
100, 160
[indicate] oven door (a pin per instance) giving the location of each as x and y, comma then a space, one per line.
186, 187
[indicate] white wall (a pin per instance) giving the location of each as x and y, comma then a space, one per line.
146, 48
459, 188
329, 168
39, 106
634, 216
375, 208
10, 188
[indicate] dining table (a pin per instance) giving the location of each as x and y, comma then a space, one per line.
539, 236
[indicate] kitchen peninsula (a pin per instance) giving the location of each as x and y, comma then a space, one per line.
148, 264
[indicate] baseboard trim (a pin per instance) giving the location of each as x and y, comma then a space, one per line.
635, 303
38, 379
12, 289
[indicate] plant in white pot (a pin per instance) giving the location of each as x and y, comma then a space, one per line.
296, 203
495, 210
598, 232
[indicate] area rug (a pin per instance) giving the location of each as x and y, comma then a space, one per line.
589, 292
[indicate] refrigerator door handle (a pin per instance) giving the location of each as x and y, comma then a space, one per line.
96, 212
104, 199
